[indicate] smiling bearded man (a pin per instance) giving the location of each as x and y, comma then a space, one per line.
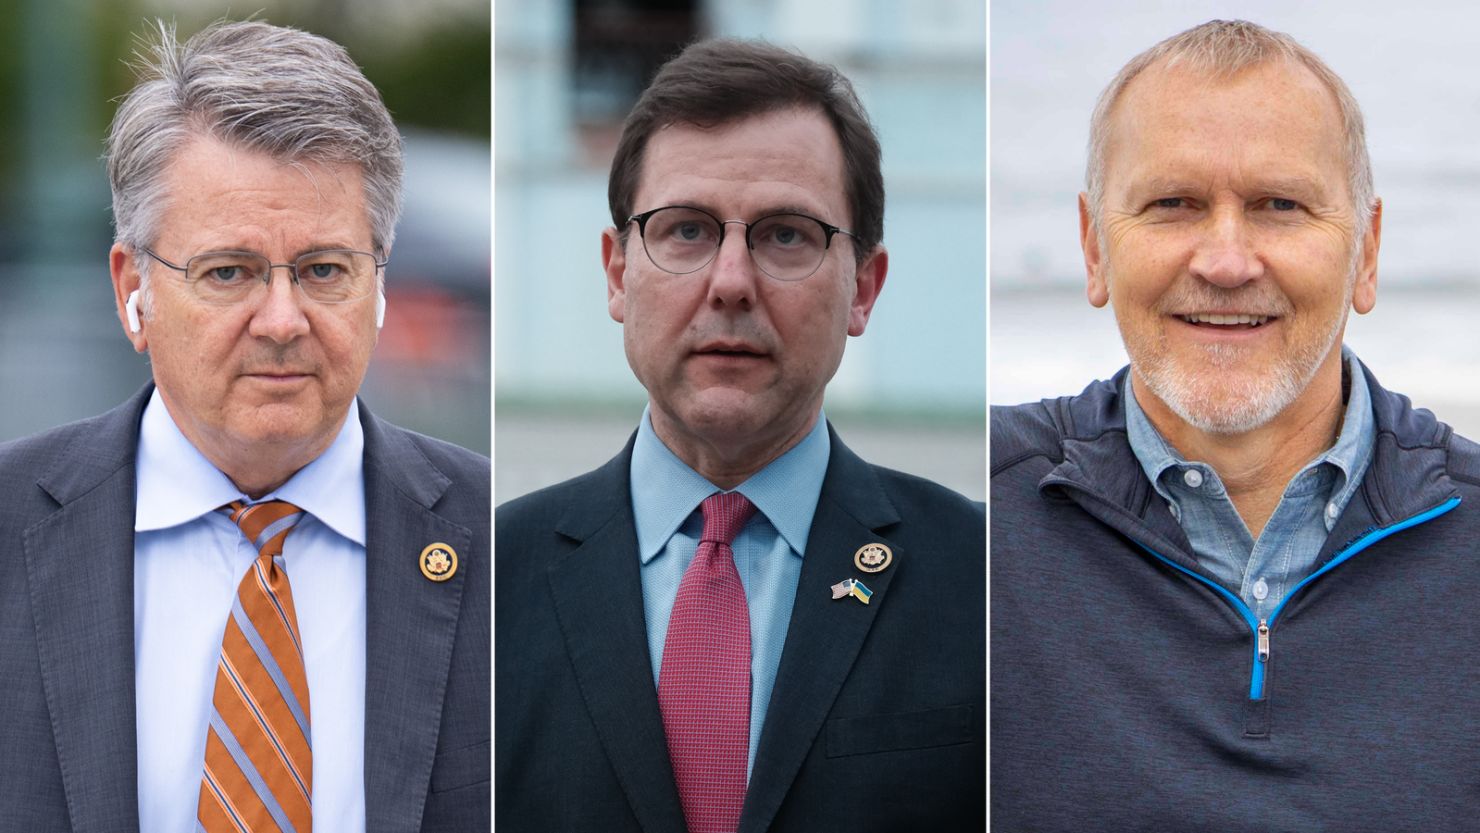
1231, 587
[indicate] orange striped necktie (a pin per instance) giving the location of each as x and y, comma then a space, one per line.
258, 772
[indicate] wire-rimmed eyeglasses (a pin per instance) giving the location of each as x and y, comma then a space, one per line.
788, 247
329, 276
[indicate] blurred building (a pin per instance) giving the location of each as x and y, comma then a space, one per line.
567, 73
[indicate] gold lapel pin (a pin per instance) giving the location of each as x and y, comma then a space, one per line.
438, 562
872, 558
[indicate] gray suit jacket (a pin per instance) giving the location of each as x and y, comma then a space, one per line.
876, 723
68, 758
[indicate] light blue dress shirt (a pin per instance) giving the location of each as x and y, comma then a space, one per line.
1261, 571
188, 560
666, 494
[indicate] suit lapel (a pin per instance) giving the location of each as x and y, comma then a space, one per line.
597, 592
824, 635
410, 624
80, 577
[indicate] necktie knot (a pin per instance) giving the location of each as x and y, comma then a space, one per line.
725, 514
265, 524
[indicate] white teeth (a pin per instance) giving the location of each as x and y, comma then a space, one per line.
1225, 320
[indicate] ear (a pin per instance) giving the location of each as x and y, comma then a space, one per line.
1364, 293
868, 283
125, 273
614, 262
1096, 289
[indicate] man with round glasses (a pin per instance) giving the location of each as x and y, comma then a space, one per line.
737, 623
239, 601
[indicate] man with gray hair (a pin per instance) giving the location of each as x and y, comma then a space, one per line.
160, 671
1232, 586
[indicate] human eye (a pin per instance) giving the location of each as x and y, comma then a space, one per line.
681, 227
787, 231
324, 267
224, 269
1168, 203
688, 230
1283, 204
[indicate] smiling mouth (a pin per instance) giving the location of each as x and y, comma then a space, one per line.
1231, 321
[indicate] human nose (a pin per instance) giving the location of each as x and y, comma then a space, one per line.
279, 314
1226, 255
733, 273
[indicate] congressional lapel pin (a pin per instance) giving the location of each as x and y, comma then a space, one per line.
438, 562
872, 558
852, 587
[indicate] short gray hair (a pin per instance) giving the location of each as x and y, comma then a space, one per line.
1223, 48
291, 95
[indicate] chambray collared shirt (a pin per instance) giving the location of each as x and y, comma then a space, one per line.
1261, 571
666, 494
188, 561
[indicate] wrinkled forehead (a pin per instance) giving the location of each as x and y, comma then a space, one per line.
1268, 114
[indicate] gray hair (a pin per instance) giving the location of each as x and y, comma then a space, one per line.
291, 95
1222, 48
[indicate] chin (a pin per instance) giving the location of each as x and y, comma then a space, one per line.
269, 426
1219, 399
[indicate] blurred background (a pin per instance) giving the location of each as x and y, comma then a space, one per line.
910, 393
63, 355
1414, 69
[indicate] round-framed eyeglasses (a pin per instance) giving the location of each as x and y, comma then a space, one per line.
330, 276
680, 240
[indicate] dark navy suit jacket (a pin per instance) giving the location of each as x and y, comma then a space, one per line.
68, 757
877, 719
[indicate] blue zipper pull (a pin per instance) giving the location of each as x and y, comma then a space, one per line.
1263, 641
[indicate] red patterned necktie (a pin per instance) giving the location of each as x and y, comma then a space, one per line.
704, 682
258, 772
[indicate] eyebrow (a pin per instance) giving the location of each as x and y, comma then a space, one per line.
317, 246
774, 208
1296, 185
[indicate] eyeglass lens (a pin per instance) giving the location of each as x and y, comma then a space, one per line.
787, 247
329, 277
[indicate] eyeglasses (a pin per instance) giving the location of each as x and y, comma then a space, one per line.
681, 240
331, 276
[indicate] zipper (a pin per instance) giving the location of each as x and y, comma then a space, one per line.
1261, 627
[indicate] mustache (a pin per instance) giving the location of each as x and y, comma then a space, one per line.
1262, 299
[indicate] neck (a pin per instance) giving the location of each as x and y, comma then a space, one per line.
726, 463
1257, 465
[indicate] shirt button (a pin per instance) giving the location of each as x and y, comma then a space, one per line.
1192, 477
1332, 511
1260, 590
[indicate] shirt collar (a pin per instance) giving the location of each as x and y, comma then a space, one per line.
177, 484
665, 490
1350, 454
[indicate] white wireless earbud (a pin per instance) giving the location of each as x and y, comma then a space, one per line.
379, 310
131, 309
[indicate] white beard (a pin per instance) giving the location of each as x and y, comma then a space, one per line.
1213, 397
1214, 401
